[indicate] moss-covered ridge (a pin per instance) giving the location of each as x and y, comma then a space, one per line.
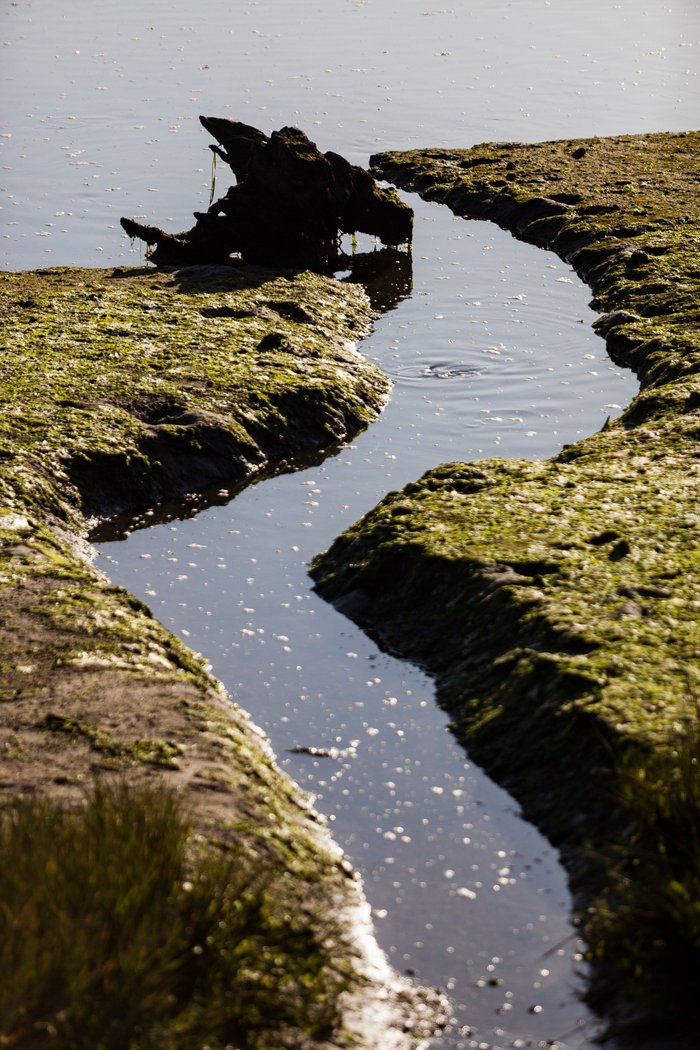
130, 386
558, 602
622, 211
120, 388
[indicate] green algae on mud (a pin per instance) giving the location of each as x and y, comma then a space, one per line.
557, 602
118, 389
132, 386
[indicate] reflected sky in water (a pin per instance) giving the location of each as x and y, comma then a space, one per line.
99, 101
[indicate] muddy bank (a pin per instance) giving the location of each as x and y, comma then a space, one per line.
119, 389
134, 386
557, 602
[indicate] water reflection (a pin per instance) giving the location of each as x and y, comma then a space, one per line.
385, 273
93, 92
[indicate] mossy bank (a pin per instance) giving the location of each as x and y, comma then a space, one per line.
121, 388
557, 602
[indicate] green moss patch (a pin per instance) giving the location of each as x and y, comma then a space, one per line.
127, 387
558, 602
154, 752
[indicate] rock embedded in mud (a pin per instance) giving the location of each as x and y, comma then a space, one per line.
287, 208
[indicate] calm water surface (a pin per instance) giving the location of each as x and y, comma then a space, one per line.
99, 101
491, 354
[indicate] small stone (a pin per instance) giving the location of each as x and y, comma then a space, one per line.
620, 551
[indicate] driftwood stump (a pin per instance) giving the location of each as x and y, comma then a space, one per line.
287, 208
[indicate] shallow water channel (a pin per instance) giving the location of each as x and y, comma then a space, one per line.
492, 354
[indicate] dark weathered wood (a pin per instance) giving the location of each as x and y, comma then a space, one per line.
287, 208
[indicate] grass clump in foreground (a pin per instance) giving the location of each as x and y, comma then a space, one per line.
120, 931
644, 931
